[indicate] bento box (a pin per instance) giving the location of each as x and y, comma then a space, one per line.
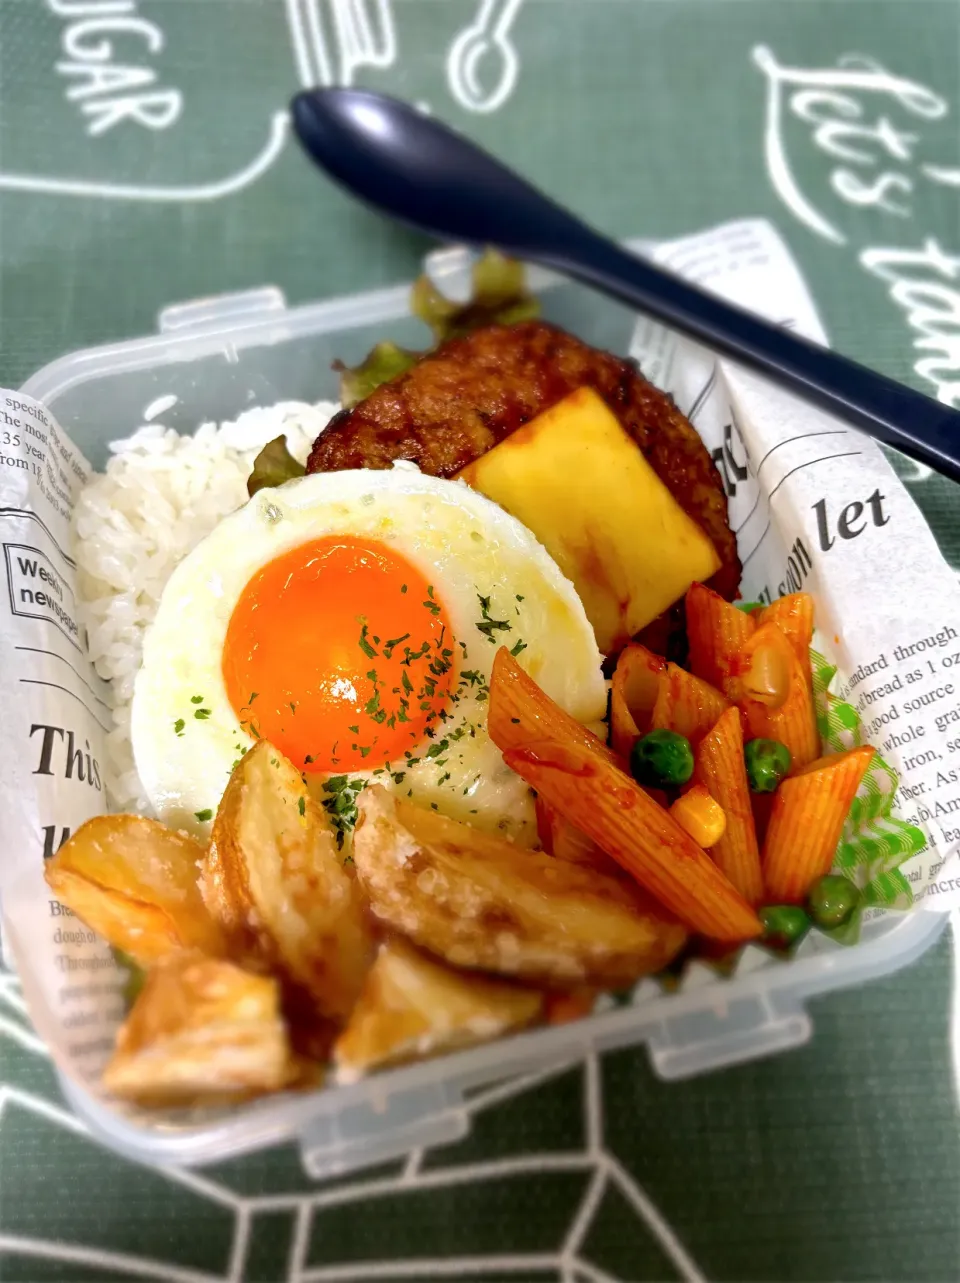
814, 506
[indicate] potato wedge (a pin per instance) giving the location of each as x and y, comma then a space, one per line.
480, 902
202, 1032
273, 878
564, 1008
413, 1006
134, 881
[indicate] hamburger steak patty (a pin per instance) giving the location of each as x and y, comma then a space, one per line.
461, 400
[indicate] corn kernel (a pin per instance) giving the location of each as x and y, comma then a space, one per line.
699, 815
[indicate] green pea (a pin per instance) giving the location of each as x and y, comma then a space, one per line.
783, 925
767, 763
662, 759
832, 900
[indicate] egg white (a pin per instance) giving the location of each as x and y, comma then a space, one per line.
464, 544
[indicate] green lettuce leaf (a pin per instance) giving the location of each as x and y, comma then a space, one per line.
273, 466
383, 363
499, 297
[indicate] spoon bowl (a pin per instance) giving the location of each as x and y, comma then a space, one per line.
416, 169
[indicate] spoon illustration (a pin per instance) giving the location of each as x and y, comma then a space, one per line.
423, 173
482, 64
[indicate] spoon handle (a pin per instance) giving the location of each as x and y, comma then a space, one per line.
927, 430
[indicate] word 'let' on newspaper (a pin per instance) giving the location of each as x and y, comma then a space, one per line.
815, 505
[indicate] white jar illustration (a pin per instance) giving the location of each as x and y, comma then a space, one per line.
154, 101
125, 99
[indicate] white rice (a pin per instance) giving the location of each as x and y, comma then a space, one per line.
160, 495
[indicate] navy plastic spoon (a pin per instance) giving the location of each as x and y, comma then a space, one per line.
421, 172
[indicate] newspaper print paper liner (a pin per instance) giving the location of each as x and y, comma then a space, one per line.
798, 483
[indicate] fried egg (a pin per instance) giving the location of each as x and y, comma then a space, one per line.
351, 619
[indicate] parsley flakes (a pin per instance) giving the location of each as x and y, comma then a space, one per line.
363, 643
487, 625
390, 646
341, 803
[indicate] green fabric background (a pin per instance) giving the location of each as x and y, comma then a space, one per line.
839, 1161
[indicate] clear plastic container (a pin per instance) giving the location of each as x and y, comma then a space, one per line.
219, 356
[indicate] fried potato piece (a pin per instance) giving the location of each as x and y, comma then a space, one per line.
563, 1008
412, 1006
484, 903
274, 879
202, 1032
134, 881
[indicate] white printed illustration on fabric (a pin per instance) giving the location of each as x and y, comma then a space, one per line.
869, 123
332, 40
601, 1174
482, 65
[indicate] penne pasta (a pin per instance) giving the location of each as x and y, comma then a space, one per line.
720, 769
644, 839
633, 693
686, 704
599, 799
520, 712
545, 816
761, 804
767, 665
716, 631
560, 839
806, 822
793, 615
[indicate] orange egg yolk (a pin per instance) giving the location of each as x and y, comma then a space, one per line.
340, 653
